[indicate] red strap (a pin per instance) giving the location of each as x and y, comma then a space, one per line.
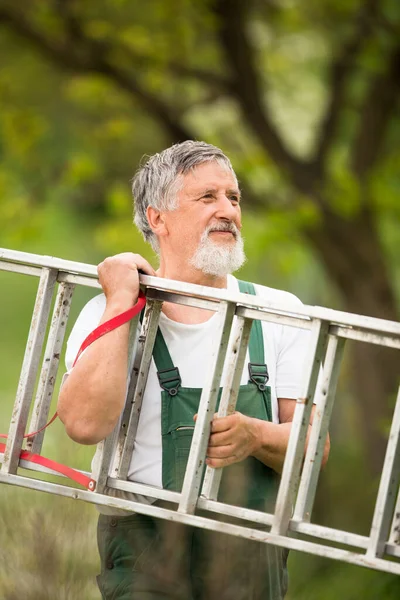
113, 324
53, 418
77, 476
94, 335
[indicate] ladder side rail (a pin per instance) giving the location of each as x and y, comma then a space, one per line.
212, 506
208, 402
309, 529
295, 450
206, 523
336, 536
325, 396
183, 299
360, 322
388, 486
237, 512
273, 317
47, 262
29, 370
136, 390
65, 277
50, 366
241, 311
22, 269
372, 324
313, 312
236, 356
344, 332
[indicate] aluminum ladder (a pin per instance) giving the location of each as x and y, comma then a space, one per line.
329, 330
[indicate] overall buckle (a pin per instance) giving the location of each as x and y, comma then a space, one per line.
167, 378
258, 373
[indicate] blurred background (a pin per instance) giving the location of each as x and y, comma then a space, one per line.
303, 96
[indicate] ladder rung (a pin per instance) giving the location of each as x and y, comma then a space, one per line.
29, 370
325, 395
295, 450
50, 365
139, 376
388, 487
236, 357
208, 402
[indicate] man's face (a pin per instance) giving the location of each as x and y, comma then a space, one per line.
205, 228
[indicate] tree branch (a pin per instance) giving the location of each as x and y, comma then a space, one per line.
380, 102
339, 73
91, 57
210, 78
247, 90
65, 9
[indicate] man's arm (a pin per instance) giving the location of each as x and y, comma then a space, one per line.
237, 436
93, 396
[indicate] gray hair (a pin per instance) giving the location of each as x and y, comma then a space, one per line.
158, 181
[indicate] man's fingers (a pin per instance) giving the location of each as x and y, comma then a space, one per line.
129, 259
140, 263
220, 451
221, 424
222, 438
217, 463
119, 277
145, 267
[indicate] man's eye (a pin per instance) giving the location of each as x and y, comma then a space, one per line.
234, 199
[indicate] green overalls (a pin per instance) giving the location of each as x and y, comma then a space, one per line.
198, 564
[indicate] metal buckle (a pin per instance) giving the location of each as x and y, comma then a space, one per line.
172, 391
263, 372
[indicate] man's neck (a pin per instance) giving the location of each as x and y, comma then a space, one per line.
189, 314
191, 275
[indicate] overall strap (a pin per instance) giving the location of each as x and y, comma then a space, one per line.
258, 371
168, 375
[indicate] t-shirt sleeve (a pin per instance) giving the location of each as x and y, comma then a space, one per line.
291, 355
88, 319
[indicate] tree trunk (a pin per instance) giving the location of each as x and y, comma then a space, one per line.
353, 255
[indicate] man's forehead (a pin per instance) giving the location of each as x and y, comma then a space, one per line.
210, 176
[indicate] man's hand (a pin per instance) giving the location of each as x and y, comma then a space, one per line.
232, 439
238, 436
119, 278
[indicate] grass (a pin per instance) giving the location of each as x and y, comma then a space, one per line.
48, 548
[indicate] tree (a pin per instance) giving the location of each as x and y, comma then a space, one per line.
251, 61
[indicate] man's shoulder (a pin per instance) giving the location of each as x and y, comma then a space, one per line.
92, 311
276, 296
96, 302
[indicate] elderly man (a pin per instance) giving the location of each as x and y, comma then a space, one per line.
187, 205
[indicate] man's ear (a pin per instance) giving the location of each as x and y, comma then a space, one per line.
156, 221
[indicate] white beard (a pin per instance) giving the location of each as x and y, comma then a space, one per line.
216, 258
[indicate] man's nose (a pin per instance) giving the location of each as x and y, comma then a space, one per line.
226, 209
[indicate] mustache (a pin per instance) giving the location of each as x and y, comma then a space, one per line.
223, 226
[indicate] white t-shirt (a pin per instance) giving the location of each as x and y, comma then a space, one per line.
190, 348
